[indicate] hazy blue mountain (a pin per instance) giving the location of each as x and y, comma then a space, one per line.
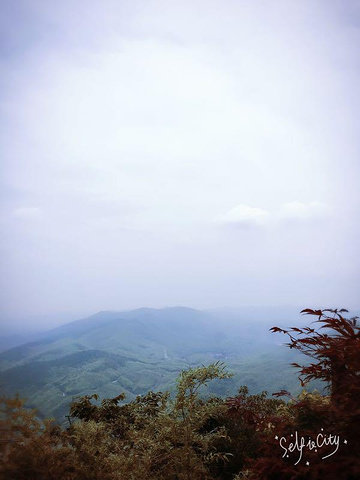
135, 351
16, 339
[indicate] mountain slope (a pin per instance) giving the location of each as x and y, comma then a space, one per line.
135, 351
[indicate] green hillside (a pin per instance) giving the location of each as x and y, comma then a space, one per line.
141, 350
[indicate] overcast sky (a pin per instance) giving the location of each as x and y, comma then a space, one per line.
198, 153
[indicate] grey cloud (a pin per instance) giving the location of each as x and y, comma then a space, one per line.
137, 127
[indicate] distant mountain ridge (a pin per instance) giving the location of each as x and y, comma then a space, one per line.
137, 350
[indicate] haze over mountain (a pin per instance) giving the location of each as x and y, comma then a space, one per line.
158, 155
197, 153
135, 351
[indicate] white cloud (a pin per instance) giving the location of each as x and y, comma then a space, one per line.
132, 126
244, 215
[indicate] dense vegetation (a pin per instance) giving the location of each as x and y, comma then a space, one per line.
146, 349
193, 436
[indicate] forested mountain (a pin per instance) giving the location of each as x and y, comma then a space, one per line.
193, 434
135, 351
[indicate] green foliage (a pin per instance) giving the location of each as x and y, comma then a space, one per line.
163, 438
138, 351
189, 437
193, 435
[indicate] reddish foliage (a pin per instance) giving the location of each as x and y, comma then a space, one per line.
335, 349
